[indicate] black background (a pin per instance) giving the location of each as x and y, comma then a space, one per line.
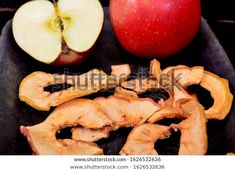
220, 15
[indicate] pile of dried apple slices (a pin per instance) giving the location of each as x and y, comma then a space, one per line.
94, 119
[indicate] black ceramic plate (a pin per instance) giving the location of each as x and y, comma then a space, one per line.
205, 50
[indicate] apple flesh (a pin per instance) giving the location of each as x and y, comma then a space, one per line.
61, 33
155, 28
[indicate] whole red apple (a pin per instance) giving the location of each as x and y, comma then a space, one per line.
155, 28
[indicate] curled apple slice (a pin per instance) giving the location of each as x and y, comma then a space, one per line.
43, 142
184, 75
62, 33
171, 108
217, 86
42, 137
164, 113
95, 117
193, 140
141, 140
83, 112
123, 111
32, 91
127, 112
220, 92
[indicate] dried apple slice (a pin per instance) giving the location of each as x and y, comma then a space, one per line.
155, 69
32, 92
193, 140
90, 135
127, 112
82, 112
43, 142
120, 72
141, 140
123, 111
171, 108
164, 113
218, 87
184, 75
220, 92
142, 85
42, 137
124, 93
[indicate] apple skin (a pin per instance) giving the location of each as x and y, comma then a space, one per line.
71, 58
155, 28
74, 58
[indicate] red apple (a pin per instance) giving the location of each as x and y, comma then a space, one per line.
155, 28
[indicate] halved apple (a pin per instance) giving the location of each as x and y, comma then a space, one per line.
59, 33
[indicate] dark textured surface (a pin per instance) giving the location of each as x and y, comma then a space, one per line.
15, 65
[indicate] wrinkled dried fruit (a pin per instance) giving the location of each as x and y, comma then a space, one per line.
164, 113
42, 137
171, 108
127, 112
218, 87
124, 93
43, 142
90, 135
141, 139
184, 75
93, 115
31, 90
155, 69
120, 72
220, 92
193, 140
92, 120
